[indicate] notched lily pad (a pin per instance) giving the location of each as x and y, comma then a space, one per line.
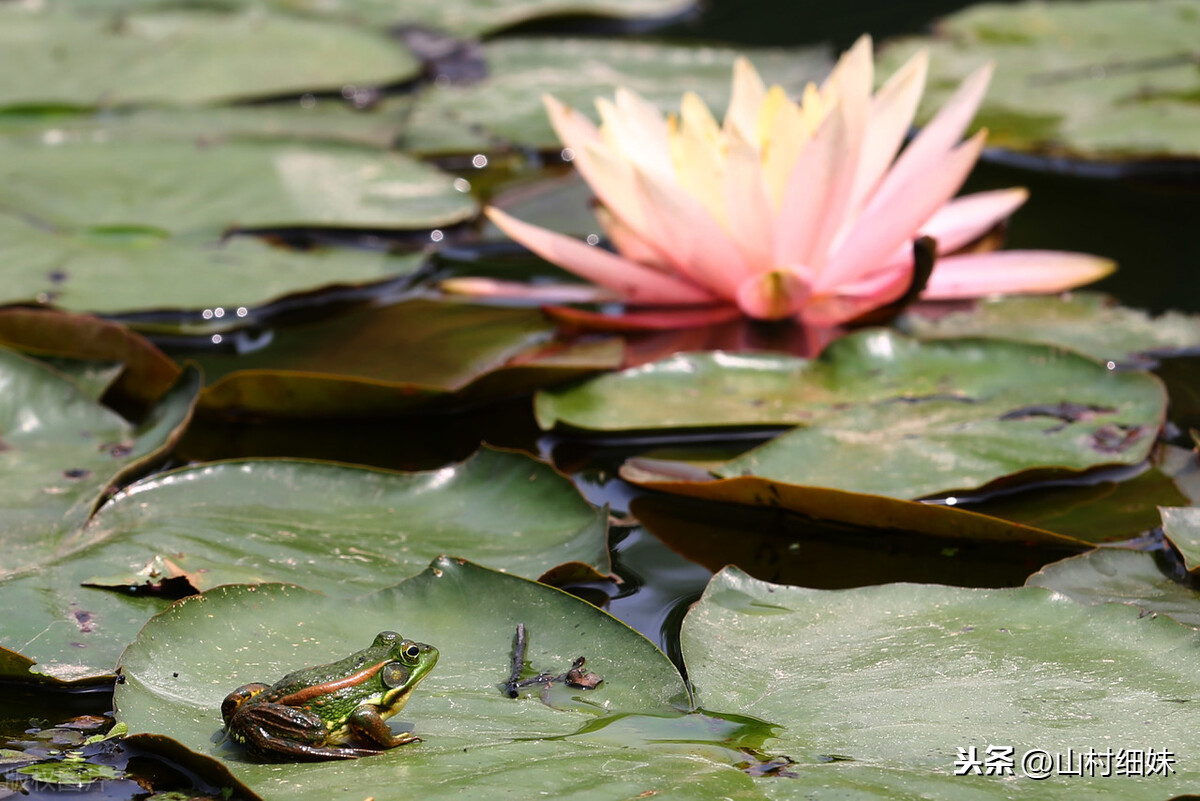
880, 689
882, 414
473, 736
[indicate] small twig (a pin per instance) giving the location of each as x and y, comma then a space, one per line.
518, 662
577, 676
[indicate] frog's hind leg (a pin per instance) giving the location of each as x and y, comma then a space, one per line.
279, 733
370, 726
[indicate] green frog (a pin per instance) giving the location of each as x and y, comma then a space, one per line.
334, 711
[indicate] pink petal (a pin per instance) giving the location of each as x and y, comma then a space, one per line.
882, 229
637, 130
851, 81
892, 111
834, 309
517, 290
930, 146
573, 129
635, 283
692, 240
774, 295
807, 190
664, 320
750, 219
964, 219
628, 243
973, 275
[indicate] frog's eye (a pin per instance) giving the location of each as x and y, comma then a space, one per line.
412, 652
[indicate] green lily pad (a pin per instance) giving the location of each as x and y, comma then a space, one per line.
325, 119
1089, 322
474, 737
175, 186
130, 270
1148, 581
478, 17
363, 363
878, 688
1106, 79
1182, 527
337, 529
506, 107
144, 372
883, 414
196, 56
61, 451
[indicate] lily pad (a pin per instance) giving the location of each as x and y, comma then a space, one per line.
1101, 509
311, 119
61, 451
137, 269
176, 186
828, 505
1106, 79
1089, 322
144, 372
883, 414
474, 737
183, 56
882, 691
337, 529
506, 107
479, 17
363, 363
1182, 527
1150, 581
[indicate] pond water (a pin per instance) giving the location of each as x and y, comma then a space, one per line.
1144, 222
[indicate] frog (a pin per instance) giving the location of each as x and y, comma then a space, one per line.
333, 711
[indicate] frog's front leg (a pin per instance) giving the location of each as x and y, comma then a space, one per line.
278, 732
369, 725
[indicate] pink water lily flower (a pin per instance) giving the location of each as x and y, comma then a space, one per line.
787, 209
